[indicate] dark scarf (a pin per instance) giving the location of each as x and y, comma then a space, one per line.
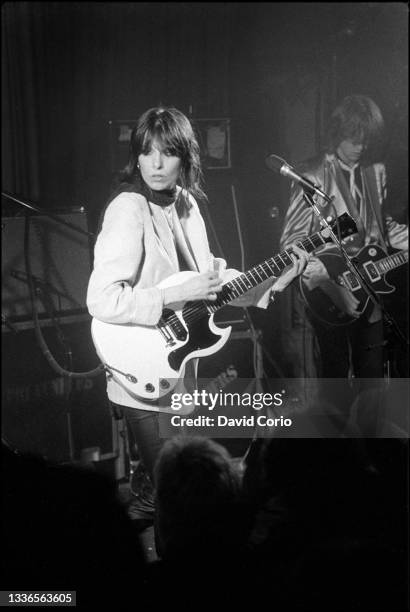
162, 198
165, 197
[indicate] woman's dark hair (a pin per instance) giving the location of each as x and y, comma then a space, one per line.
174, 131
357, 117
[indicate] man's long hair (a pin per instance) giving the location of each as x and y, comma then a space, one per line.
358, 118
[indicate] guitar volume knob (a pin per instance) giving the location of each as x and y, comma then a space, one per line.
164, 384
150, 388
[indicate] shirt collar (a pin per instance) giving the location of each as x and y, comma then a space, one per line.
347, 168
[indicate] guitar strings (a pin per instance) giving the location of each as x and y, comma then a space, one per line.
196, 311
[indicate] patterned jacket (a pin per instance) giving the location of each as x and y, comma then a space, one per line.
373, 225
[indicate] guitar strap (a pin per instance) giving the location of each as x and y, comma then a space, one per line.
349, 200
368, 218
373, 197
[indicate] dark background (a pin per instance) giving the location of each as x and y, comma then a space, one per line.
274, 69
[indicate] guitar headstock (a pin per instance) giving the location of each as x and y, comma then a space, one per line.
344, 226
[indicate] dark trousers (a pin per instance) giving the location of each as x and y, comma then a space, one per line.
314, 350
357, 348
149, 431
331, 356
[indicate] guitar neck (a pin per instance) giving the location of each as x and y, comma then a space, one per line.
256, 275
392, 261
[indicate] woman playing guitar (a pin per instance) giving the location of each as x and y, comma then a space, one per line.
152, 229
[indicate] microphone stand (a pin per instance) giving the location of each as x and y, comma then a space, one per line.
353, 264
42, 291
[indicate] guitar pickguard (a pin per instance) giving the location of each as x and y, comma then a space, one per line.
148, 361
200, 337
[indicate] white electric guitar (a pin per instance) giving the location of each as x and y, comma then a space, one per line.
148, 361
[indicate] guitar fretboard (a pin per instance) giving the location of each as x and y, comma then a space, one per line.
256, 275
196, 310
375, 269
392, 261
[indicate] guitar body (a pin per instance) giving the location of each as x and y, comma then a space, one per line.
148, 361
321, 304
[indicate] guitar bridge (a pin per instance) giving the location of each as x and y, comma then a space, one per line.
171, 327
169, 341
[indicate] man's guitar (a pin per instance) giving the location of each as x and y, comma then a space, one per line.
148, 361
374, 264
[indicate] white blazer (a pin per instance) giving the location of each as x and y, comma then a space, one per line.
135, 250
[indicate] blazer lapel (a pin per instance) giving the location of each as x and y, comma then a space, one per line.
182, 243
195, 240
164, 234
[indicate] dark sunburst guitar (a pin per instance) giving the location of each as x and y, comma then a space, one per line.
374, 264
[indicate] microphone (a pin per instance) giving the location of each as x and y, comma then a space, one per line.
278, 164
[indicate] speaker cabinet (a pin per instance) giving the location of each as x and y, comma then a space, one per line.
238, 353
221, 219
44, 413
60, 263
234, 369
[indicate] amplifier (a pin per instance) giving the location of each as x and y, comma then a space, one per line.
44, 413
60, 261
236, 369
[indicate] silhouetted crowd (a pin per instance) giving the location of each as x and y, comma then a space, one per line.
306, 524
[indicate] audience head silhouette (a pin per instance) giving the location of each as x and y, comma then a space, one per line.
197, 495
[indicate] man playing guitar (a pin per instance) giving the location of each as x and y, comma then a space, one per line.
349, 171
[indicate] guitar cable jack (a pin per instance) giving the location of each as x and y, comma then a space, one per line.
129, 377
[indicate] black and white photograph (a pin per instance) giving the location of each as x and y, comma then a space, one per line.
205, 296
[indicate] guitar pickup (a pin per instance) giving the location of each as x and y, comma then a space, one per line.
350, 281
371, 270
